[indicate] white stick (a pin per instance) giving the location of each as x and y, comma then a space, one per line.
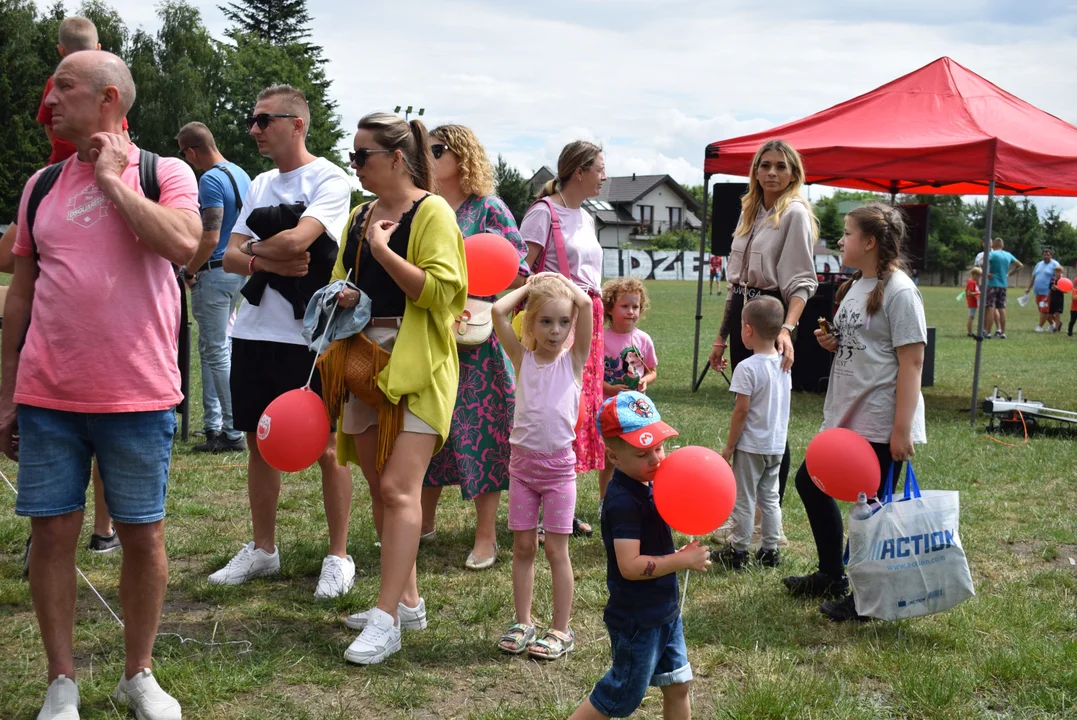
327, 324
684, 595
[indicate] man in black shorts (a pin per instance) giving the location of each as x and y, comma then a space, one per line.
269, 354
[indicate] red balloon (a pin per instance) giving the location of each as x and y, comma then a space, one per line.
1065, 285
694, 490
492, 264
842, 464
294, 430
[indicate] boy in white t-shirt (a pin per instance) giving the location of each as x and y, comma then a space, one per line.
757, 434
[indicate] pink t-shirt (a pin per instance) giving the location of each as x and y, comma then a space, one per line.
547, 404
104, 326
629, 356
582, 251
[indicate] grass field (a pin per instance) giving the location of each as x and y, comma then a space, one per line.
1011, 652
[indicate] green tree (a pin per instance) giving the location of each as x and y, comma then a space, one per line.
28, 56
177, 74
278, 22
512, 187
1060, 236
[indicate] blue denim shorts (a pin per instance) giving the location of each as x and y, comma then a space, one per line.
642, 657
56, 449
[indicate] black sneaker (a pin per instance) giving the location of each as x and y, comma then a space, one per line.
1000, 335
26, 558
817, 585
103, 545
842, 609
730, 557
209, 444
768, 558
223, 444
987, 335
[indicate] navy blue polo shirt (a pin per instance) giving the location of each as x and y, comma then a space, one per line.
629, 513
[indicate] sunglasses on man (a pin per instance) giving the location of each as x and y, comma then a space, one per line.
263, 119
360, 156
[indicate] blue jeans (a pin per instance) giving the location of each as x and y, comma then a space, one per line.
642, 657
213, 299
56, 449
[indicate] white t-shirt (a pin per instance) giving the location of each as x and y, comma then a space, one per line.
324, 189
762, 378
862, 395
582, 250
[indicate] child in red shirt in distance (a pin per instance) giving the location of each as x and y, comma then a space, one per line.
972, 297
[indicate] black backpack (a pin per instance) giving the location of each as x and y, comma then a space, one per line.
147, 179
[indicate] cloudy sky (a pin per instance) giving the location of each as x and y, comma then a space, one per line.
656, 80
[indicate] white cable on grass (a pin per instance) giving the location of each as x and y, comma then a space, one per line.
183, 640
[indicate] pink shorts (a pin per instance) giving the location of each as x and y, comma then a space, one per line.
542, 480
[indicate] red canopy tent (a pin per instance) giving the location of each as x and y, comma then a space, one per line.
941, 129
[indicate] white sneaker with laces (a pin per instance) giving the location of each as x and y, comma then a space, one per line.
338, 576
143, 695
410, 618
379, 639
61, 701
248, 563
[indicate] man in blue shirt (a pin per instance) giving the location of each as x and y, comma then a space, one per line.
1040, 283
1000, 265
642, 615
214, 292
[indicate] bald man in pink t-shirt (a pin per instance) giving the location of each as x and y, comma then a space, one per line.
96, 299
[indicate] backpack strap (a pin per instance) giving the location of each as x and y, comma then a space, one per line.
558, 240
147, 175
235, 188
42, 186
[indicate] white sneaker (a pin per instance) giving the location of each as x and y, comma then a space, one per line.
248, 563
61, 701
143, 695
338, 576
410, 618
1039, 328
379, 639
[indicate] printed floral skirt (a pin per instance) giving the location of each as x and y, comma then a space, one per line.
590, 450
476, 454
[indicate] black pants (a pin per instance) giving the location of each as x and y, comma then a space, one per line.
738, 353
1073, 319
825, 517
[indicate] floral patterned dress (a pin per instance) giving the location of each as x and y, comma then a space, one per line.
476, 455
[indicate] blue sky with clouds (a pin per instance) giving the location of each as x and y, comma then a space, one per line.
656, 80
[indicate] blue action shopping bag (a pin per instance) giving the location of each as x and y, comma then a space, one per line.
906, 559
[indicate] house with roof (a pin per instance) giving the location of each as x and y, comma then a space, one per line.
632, 209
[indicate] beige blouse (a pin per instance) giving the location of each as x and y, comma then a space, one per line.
779, 258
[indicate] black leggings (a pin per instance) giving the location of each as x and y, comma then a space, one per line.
739, 353
825, 516
1073, 319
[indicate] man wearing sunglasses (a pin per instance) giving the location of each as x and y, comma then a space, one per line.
269, 354
214, 291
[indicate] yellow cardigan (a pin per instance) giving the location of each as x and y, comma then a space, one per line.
424, 365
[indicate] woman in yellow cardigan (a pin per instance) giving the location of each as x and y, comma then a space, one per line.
411, 264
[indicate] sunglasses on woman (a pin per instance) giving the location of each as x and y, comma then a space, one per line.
439, 149
263, 119
360, 156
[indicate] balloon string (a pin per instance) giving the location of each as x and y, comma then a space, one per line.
328, 324
684, 595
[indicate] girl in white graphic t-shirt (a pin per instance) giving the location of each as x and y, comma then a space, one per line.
878, 344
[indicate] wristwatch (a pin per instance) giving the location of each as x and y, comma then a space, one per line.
789, 327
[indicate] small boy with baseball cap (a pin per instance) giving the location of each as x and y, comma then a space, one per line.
642, 615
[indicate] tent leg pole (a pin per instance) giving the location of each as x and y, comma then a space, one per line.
699, 284
983, 304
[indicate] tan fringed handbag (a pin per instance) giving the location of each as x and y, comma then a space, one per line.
352, 366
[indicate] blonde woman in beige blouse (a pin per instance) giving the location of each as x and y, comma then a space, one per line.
771, 255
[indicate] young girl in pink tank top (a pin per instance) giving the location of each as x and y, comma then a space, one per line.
549, 368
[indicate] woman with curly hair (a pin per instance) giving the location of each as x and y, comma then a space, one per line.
476, 455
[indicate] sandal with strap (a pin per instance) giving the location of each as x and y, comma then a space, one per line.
520, 635
554, 645
581, 529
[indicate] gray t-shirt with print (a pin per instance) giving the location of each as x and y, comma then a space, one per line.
862, 395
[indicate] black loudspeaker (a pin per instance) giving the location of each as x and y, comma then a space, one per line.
927, 373
725, 212
916, 223
811, 363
